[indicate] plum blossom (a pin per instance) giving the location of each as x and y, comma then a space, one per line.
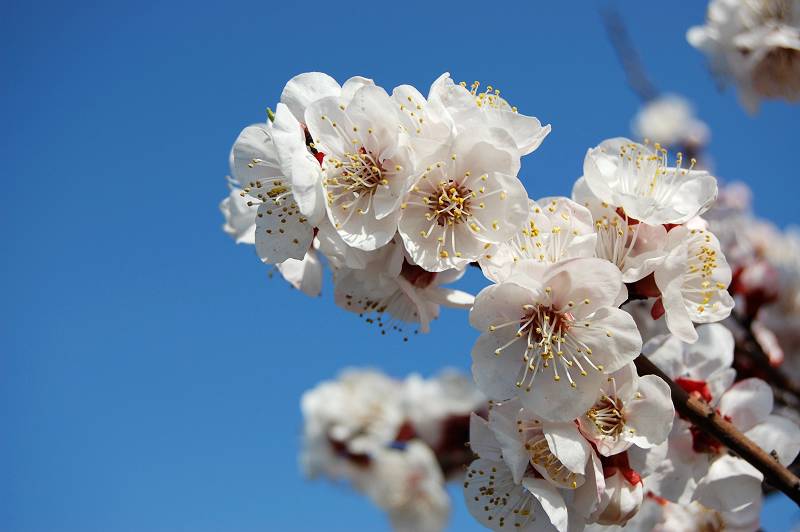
621, 498
501, 489
282, 232
638, 180
467, 198
693, 280
756, 45
629, 410
557, 229
636, 248
670, 120
408, 484
366, 165
471, 108
389, 442
550, 334
697, 466
240, 223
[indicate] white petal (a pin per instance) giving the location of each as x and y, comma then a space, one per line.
747, 403
650, 412
305, 275
730, 485
779, 435
551, 501
612, 336
568, 445
482, 440
304, 89
281, 235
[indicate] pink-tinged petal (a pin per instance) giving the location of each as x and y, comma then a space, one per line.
304, 89
551, 500
747, 403
777, 435
650, 412
730, 485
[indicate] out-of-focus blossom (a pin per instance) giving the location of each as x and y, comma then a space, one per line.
670, 120
391, 440
754, 44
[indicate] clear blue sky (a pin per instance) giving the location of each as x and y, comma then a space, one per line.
149, 371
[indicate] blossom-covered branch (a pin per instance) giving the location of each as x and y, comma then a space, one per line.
706, 418
398, 192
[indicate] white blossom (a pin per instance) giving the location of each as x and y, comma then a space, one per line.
550, 334
466, 198
697, 466
693, 280
756, 45
639, 180
557, 229
636, 248
670, 120
629, 410
366, 166
471, 108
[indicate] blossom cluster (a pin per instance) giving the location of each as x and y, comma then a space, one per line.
399, 193
395, 441
755, 45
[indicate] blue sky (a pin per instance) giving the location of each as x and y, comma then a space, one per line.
150, 373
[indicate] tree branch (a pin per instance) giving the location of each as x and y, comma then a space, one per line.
702, 415
751, 348
626, 52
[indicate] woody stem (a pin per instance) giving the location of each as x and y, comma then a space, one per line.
703, 416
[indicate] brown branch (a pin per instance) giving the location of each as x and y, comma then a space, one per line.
626, 52
751, 347
702, 415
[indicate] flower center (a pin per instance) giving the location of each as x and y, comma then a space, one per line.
550, 344
355, 181
449, 203
608, 416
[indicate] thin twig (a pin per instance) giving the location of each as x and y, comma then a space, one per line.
626, 52
702, 415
